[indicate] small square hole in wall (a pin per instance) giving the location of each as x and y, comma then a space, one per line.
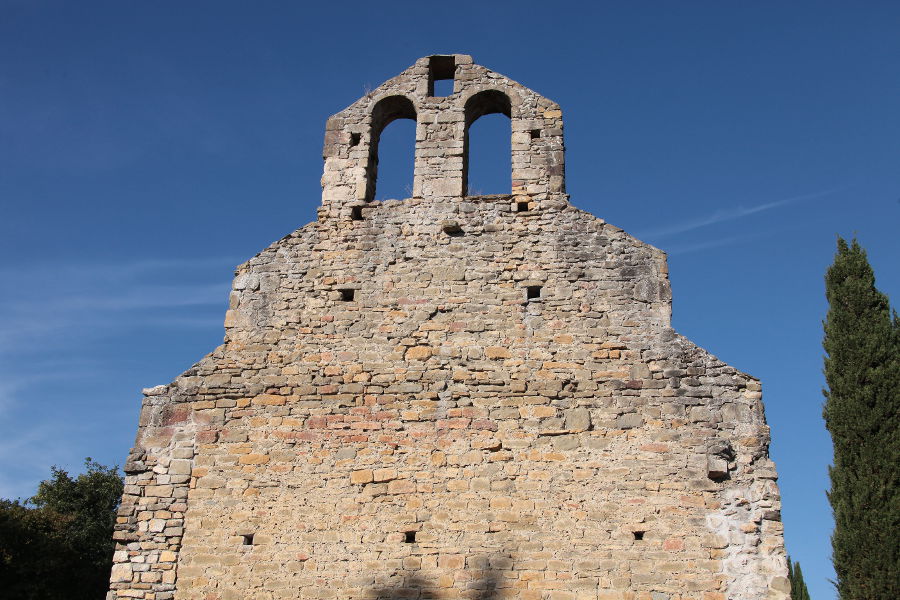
521, 207
533, 292
356, 213
638, 535
347, 295
355, 139
247, 539
409, 537
535, 134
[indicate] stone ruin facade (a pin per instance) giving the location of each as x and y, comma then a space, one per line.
451, 396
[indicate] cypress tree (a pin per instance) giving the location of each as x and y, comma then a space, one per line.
798, 586
862, 413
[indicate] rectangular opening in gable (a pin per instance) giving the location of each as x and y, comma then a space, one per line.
441, 70
409, 537
533, 292
347, 295
247, 539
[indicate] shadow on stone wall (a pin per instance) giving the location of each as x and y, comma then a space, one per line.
483, 586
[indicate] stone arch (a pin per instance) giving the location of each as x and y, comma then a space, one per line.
485, 102
385, 111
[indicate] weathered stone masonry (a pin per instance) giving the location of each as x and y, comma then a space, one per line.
452, 396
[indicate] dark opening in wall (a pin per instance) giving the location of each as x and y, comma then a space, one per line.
487, 145
347, 295
356, 213
247, 539
390, 168
535, 134
396, 161
521, 207
533, 292
638, 535
441, 70
355, 139
452, 228
409, 537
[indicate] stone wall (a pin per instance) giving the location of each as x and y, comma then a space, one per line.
442, 124
452, 397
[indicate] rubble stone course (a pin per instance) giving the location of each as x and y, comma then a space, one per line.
452, 396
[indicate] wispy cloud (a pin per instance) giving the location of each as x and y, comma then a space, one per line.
729, 214
24, 451
697, 246
68, 292
29, 446
56, 303
28, 451
146, 296
7, 395
69, 353
114, 269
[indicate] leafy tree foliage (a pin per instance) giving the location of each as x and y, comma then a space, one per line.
798, 586
862, 412
58, 544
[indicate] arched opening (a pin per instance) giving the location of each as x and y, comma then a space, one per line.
487, 153
391, 156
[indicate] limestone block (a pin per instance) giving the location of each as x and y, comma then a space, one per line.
578, 419
121, 572
180, 467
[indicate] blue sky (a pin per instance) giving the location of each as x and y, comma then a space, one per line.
148, 148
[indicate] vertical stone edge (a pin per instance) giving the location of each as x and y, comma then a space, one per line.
746, 532
150, 520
